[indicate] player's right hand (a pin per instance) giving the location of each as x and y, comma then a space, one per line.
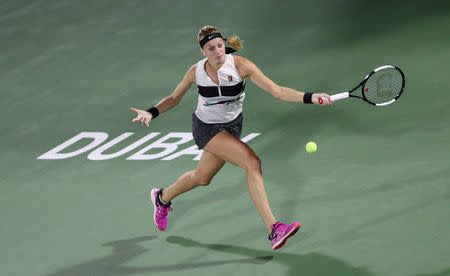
143, 116
321, 99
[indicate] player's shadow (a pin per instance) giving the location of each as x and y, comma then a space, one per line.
123, 252
307, 264
126, 250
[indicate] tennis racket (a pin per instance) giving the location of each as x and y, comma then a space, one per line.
383, 86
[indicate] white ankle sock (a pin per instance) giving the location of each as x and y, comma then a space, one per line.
160, 199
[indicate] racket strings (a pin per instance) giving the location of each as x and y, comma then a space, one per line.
383, 86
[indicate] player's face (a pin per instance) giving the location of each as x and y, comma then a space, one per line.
214, 50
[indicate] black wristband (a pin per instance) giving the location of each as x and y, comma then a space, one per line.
154, 111
307, 98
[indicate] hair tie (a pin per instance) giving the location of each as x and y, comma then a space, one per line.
229, 50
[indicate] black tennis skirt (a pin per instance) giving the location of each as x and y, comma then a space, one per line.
203, 132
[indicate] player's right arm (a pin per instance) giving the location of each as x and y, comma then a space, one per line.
170, 101
246, 68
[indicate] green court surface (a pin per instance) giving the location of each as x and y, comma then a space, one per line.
373, 200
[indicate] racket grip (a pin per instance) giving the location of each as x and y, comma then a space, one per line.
340, 96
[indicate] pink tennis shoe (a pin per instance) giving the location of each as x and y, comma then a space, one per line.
160, 209
281, 232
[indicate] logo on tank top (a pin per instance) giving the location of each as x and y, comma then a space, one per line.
230, 78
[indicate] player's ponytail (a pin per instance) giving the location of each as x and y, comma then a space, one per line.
235, 42
207, 33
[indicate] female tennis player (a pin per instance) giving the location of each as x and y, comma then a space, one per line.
217, 125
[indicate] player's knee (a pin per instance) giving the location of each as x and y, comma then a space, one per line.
253, 163
204, 181
201, 180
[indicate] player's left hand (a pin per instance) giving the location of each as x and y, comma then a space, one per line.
321, 99
143, 117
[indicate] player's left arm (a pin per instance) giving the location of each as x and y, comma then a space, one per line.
246, 68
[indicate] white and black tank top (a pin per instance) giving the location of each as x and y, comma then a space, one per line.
219, 103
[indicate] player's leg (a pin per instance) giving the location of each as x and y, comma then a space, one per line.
207, 168
233, 150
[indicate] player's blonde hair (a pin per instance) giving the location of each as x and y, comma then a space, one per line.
235, 42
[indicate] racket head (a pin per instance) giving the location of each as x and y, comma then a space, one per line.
383, 86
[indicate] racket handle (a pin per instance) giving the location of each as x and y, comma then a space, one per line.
340, 96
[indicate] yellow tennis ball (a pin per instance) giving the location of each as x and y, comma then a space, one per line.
311, 147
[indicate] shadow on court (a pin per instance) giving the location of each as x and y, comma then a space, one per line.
309, 264
126, 250
123, 252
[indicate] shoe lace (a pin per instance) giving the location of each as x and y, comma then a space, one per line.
273, 234
163, 210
